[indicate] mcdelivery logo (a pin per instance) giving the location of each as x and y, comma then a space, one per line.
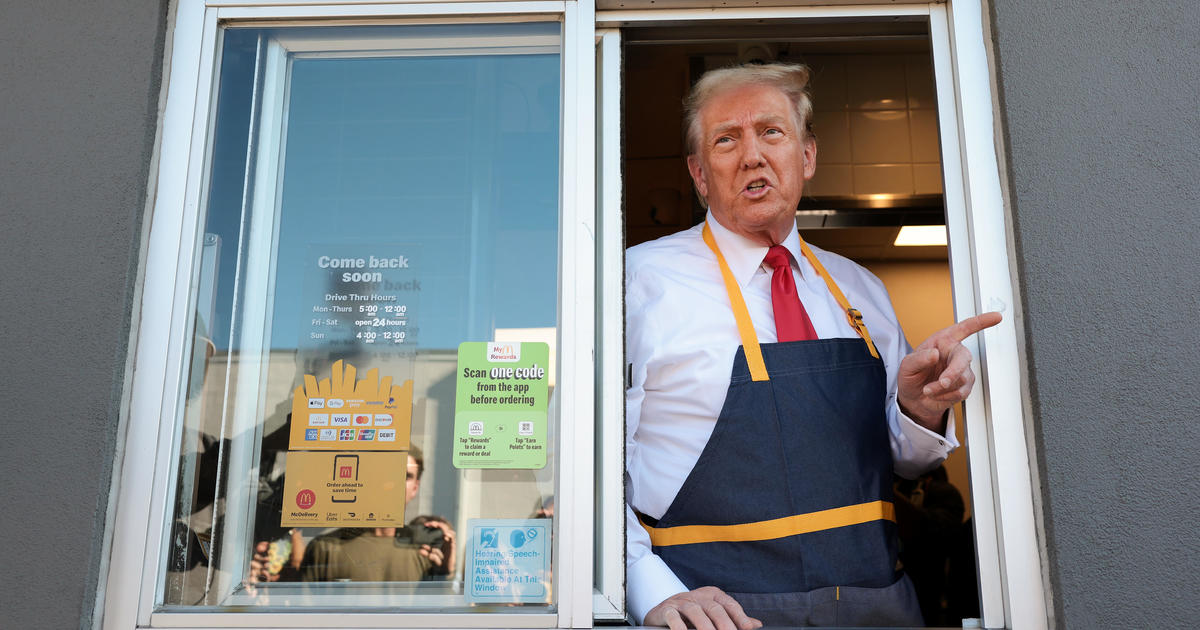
503, 352
306, 499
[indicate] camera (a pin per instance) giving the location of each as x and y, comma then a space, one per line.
428, 535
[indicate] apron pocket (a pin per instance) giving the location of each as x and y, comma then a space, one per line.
817, 607
894, 605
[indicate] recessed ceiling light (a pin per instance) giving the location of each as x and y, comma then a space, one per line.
918, 235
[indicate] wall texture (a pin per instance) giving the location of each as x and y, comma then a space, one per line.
77, 117
1100, 115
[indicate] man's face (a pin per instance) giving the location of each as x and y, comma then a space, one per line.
752, 160
412, 483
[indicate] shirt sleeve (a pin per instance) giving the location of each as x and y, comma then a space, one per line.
649, 580
915, 449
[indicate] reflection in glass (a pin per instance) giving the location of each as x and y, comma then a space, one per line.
376, 197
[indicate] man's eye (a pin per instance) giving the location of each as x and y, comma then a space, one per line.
773, 131
724, 140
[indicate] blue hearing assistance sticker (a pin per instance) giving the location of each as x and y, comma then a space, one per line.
508, 560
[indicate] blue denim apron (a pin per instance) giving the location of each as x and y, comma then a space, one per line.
789, 507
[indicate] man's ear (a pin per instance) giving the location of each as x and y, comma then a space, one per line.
810, 157
697, 172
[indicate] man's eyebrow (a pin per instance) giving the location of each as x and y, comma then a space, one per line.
724, 128
772, 119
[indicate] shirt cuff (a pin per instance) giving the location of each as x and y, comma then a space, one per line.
651, 582
926, 449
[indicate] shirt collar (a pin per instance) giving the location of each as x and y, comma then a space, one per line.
745, 256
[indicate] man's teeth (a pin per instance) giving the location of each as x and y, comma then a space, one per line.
756, 186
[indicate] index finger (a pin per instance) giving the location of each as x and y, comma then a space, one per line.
972, 325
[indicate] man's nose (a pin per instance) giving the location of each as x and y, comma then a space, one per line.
752, 156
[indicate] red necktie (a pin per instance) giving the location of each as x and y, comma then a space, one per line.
791, 320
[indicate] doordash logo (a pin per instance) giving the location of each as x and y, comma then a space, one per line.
503, 352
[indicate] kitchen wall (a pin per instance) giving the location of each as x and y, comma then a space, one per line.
876, 124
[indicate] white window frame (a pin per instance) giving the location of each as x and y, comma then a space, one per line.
1010, 558
145, 456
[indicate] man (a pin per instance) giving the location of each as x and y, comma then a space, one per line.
763, 430
423, 549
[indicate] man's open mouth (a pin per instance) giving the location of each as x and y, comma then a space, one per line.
756, 186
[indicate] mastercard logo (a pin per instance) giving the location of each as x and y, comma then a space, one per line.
362, 419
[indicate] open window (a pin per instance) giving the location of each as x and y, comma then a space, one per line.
902, 142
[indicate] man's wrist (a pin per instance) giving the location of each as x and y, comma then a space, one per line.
933, 422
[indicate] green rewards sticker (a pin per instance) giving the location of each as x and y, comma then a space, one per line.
500, 405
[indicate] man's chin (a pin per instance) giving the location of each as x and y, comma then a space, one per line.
761, 218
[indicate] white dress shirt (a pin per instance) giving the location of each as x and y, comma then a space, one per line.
681, 338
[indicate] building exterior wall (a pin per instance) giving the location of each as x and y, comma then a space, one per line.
1099, 114
79, 91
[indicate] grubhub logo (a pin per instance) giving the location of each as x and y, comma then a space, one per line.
503, 352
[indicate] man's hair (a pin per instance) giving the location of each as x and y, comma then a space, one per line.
415, 452
789, 78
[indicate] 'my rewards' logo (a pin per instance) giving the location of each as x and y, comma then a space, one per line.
503, 352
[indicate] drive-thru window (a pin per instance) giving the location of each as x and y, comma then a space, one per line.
379, 368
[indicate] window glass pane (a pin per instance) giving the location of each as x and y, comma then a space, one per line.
370, 406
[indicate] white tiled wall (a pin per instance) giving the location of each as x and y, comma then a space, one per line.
876, 125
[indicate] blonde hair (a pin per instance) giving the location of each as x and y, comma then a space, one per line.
791, 79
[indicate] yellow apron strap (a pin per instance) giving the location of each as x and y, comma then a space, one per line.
754, 358
774, 528
758, 369
852, 314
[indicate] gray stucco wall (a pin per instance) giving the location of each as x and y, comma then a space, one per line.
79, 87
1102, 122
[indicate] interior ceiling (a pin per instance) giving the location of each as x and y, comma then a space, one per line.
826, 37
871, 244
617, 5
